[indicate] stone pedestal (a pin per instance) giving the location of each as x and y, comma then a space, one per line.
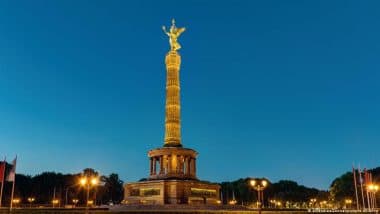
171, 191
172, 180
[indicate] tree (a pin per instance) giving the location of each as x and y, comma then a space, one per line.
286, 190
113, 189
89, 172
342, 187
23, 186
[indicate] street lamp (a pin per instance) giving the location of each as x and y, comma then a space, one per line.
279, 204
348, 203
31, 200
275, 203
87, 182
323, 204
259, 185
232, 202
16, 201
55, 202
312, 202
94, 181
75, 201
373, 188
90, 202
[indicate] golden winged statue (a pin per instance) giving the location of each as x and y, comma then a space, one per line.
173, 34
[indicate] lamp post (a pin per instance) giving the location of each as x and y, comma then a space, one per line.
16, 201
348, 203
259, 185
55, 202
87, 182
75, 201
66, 195
323, 204
313, 201
279, 204
373, 188
31, 200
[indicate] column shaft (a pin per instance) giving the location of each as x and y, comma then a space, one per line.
161, 165
154, 166
187, 166
192, 167
170, 170
173, 105
181, 164
151, 166
195, 167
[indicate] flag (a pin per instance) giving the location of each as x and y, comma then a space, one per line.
2, 176
367, 175
12, 177
12, 174
2, 171
360, 177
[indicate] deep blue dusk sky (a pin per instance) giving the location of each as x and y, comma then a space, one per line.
281, 89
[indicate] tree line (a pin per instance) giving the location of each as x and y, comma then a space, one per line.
287, 194
292, 195
47, 186
64, 188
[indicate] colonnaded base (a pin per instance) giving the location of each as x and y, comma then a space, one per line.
171, 191
172, 180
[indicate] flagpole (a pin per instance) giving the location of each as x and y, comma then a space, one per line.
2, 183
366, 182
356, 188
13, 190
361, 186
372, 194
1, 193
13, 184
